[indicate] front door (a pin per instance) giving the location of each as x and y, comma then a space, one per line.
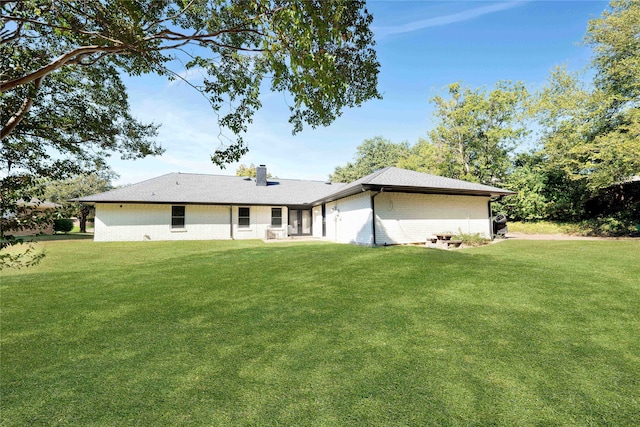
299, 222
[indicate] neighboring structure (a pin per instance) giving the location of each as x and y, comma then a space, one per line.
37, 207
390, 206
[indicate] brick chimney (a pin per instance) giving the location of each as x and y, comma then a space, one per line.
261, 176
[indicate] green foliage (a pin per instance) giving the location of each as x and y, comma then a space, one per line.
426, 157
28, 255
20, 196
604, 226
472, 240
372, 155
63, 191
588, 135
250, 171
609, 226
321, 53
528, 180
584, 134
64, 108
62, 225
517, 333
477, 130
615, 39
541, 227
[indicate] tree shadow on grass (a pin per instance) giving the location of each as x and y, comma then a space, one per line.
57, 237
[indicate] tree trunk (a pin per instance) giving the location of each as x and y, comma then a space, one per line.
84, 213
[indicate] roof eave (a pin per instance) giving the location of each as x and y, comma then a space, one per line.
437, 190
411, 189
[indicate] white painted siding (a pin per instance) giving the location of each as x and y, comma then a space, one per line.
131, 222
411, 218
316, 214
400, 218
260, 218
349, 220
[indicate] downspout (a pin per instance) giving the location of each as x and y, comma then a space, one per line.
231, 222
373, 216
490, 219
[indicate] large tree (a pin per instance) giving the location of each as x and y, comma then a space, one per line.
477, 130
64, 108
424, 156
373, 154
318, 51
583, 134
64, 191
615, 39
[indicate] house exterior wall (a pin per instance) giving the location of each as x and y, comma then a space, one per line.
45, 229
316, 215
135, 222
400, 218
260, 222
411, 218
349, 219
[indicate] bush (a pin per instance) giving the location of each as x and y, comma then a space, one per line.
64, 225
610, 226
471, 239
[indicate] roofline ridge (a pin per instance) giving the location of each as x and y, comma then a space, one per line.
375, 174
239, 176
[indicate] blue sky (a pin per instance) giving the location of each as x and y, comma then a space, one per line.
422, 46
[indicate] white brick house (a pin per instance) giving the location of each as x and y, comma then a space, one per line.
390, 206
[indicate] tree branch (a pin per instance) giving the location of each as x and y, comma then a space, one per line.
73, 56
8, 36
169, 18
22, 111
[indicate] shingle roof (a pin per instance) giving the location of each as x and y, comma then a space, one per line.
37, 203
396, 179
235, 190
216, 189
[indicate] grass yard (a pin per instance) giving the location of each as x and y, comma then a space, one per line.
247, 333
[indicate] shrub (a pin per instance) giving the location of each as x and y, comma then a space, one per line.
64, 225
471, 239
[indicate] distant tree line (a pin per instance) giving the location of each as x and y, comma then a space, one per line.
558, 147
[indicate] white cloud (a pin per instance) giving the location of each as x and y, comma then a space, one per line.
192, 76
447, 19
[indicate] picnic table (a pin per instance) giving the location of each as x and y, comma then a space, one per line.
444, 240
444, 236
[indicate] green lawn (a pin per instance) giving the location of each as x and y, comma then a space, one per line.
247, 333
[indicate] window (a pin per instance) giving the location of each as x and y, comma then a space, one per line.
177, 216
276, 217
244, 217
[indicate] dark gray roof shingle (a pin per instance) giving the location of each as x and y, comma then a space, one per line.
216, 189
392, 178
235, 190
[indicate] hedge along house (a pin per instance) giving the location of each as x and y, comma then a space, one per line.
390, 206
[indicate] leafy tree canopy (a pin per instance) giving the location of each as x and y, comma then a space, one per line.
584, 135
64, 191
373, 154
477, 130
321, 52
64, 107
424, 156
244, 170
615, 39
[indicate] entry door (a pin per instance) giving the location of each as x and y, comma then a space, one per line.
299, 222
